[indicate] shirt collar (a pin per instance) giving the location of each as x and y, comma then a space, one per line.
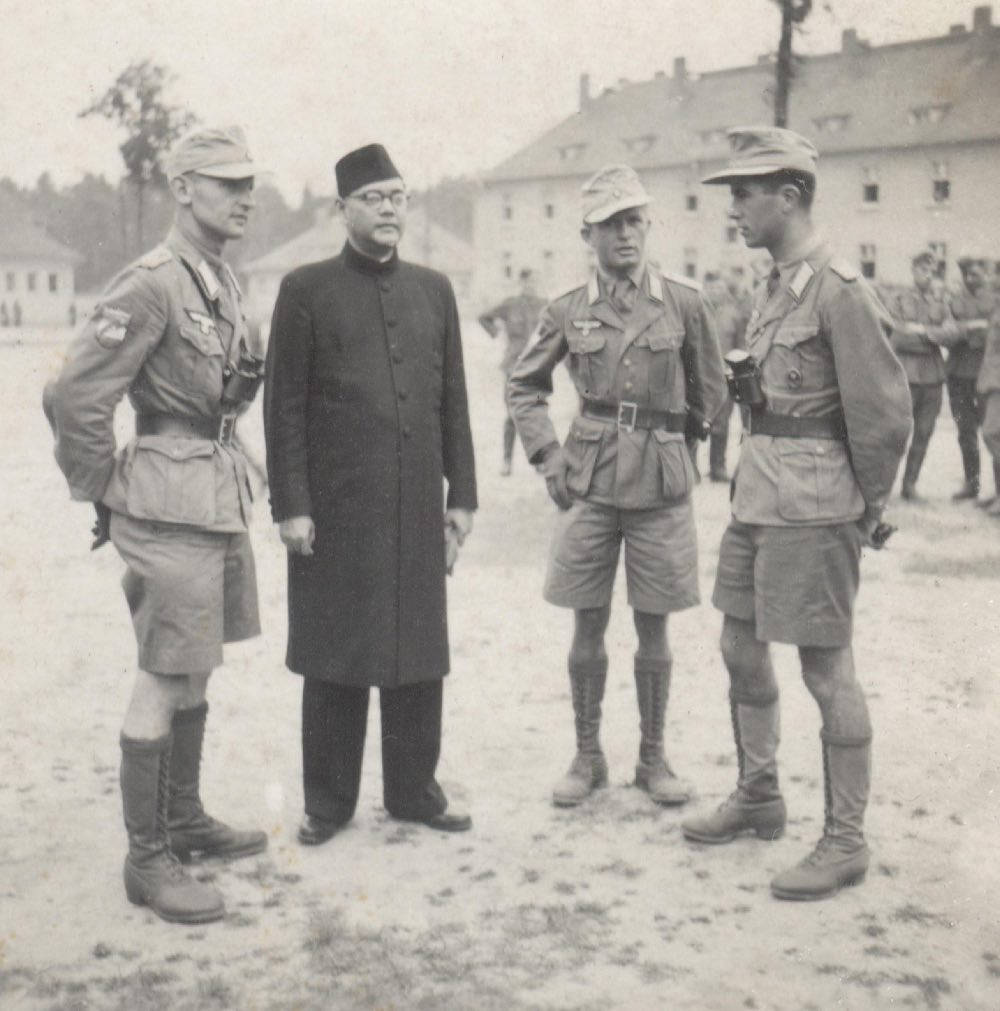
602, 281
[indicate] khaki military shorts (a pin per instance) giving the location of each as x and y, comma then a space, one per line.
189, 591
661, 557
797, 584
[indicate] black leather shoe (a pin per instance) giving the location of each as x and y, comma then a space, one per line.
315, 831
448, 821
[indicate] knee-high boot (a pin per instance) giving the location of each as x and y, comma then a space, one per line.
756, 804
652, 772
589, 768
153, 876
191, 829
841, 856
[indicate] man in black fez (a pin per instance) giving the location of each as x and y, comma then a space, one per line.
366, 419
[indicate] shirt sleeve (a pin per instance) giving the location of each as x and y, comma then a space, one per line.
530, 384
874, 392
703, 369
456, 432
127, 325
286, 396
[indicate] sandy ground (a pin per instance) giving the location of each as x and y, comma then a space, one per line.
602, 907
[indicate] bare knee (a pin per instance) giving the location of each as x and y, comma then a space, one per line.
744, 655
651, 630
589, 627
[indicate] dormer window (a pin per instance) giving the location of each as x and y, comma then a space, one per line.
640, 144
572, 152
924, 114
832, 124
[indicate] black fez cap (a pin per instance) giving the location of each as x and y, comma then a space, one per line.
368, 164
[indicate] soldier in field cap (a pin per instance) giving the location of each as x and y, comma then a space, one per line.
366, 419
170, 332
828, 412
642, 351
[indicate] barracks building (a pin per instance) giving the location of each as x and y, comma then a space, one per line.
909, 140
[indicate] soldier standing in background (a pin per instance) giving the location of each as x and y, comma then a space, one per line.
828, 419
922, 319
731, 323
972, 308
514, 318
170, 331
988, 391
645, 361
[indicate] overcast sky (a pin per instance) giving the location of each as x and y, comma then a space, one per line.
450, 87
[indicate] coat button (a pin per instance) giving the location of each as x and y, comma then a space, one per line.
627, 362
397, 358
406, 431
385, 286
628, 386
391, 322
401, 394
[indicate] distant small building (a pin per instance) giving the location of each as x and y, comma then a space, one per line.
424, 241
36, 275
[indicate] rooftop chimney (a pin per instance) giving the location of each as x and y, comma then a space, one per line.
850, 43
680, 68
584, 91
982, 18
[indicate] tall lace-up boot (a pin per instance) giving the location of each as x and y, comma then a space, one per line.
653, 773
589, 768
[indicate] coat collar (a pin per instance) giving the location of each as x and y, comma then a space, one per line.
366, 265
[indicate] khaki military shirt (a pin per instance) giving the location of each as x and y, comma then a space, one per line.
663, 354
923, 321
162, 333
972, 313
519, 315
821, 339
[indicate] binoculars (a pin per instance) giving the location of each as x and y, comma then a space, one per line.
242, 380
743, 378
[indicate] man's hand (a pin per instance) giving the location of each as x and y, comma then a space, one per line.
298, 534
457, 526
555, 467
102, 526
874, 532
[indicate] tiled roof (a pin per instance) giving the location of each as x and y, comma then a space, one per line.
21, 239
930, 91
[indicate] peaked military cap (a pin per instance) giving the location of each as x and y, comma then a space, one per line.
219, 152
612, 189
764, 150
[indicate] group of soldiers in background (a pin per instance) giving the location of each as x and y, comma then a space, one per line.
942, 337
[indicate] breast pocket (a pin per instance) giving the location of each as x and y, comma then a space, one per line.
799, 360
172, 480
588, 363
658, 348
201, 357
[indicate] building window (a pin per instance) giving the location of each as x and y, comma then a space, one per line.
508, 270
640, 145
53, 282
31, 280
550, 210
572, 152
11, 280
690, 261
870, 193
732, 233
942, 191
868, 260
922, 114
691, 202
507, 212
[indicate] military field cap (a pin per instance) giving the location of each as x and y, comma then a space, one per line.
612, 189
219, 152
368, 164
764, 150
973, 256
924, 256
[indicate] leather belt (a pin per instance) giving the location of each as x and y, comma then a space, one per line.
830, 426
629, 416
219, 429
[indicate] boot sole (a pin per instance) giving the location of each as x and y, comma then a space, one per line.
765, 834
789, 896
564, 801
207, 917
191, 854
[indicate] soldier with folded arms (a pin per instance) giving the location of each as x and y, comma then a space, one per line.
170, 332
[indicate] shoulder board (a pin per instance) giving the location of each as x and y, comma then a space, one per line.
687, 282
844, 269
156, 257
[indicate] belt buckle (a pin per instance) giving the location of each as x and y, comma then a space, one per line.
227, 426
628, 411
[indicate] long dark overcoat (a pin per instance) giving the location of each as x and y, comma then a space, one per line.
366, 417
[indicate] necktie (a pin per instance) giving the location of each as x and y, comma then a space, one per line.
622, 296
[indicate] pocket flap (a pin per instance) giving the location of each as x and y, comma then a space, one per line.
207, 343
174, 447
661, 340
662, 436
792, 334
585, 344
587, 431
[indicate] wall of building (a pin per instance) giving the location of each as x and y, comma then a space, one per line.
535, 223
41, 291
